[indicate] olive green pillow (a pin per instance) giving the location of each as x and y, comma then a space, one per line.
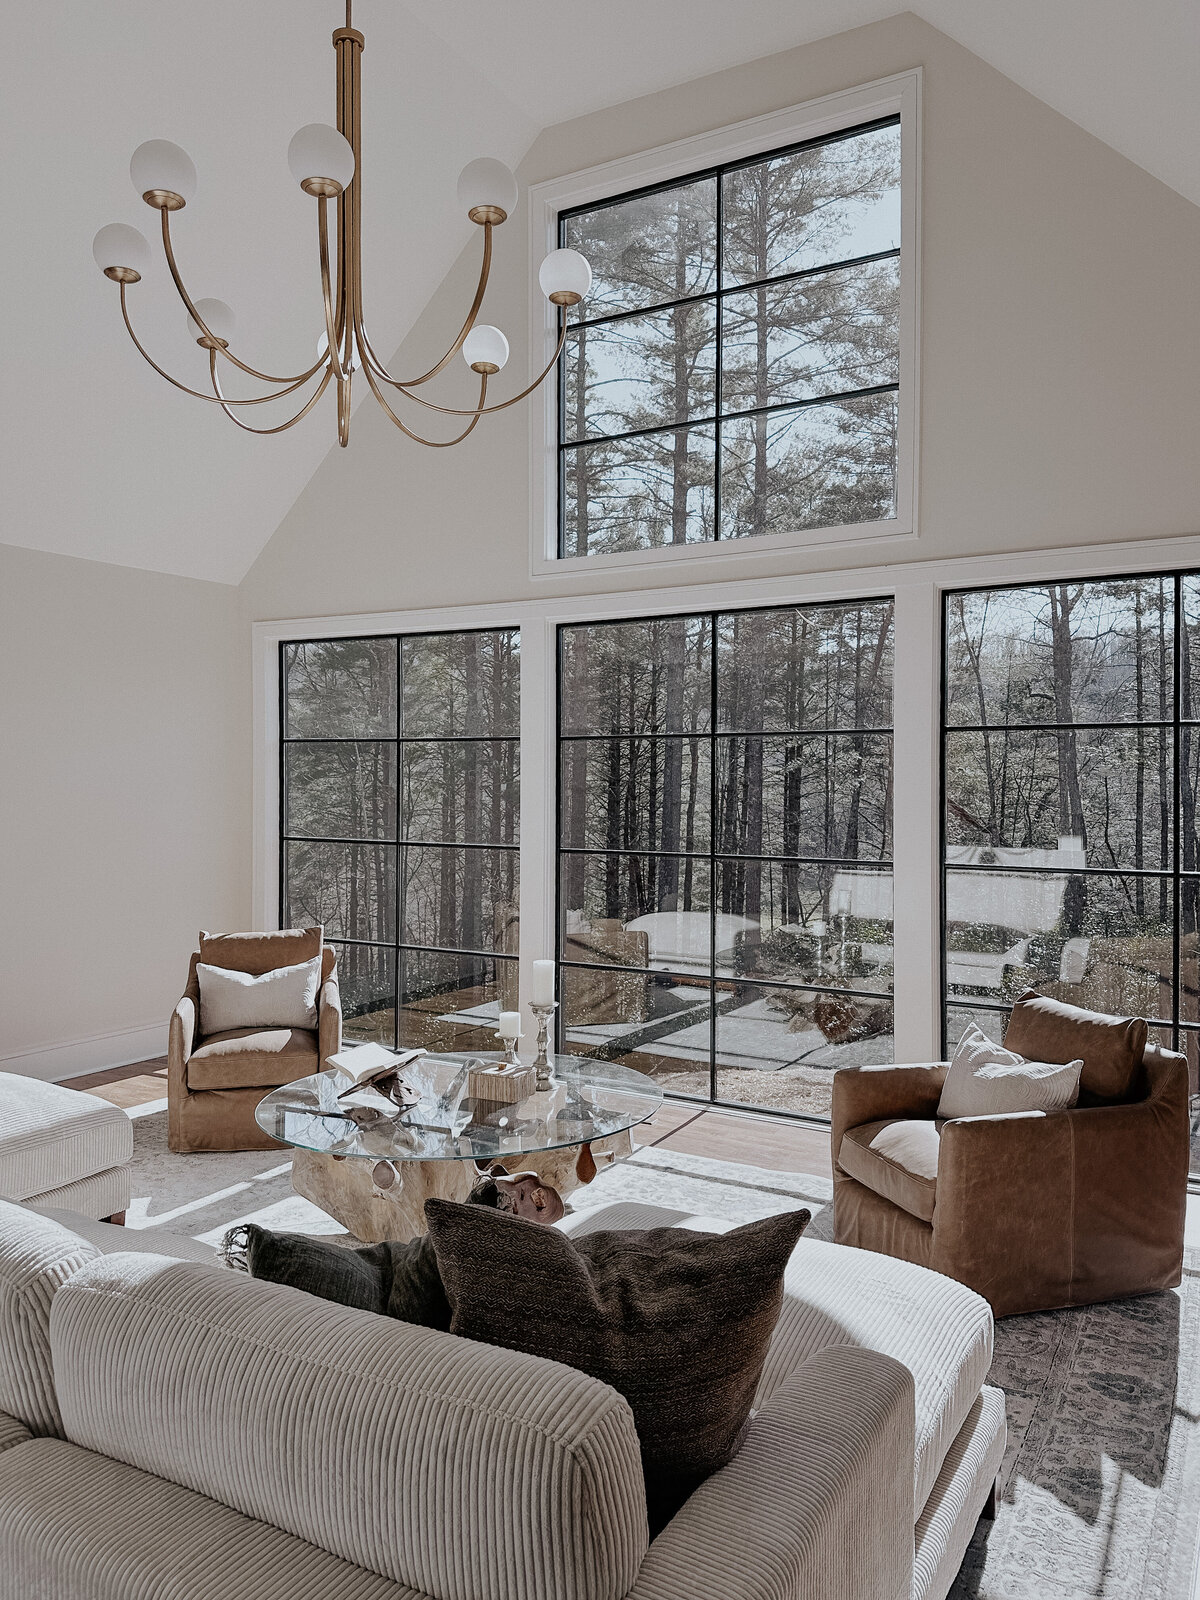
395, 1280
676, 1321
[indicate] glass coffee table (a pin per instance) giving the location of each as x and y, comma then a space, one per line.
374, 1175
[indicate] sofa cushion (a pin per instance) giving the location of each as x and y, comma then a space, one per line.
51, 1136
986, 1080
37, 1256
836, 1295
109, 1239
285, 997
898, 1159
677, 1322
1111, 1047
467, 1472
74, 1524
260, 952
253, 1058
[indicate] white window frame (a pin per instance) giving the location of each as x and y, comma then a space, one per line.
917, 586
885, 97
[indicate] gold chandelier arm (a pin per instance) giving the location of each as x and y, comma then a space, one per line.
501, 405
434, 444
199, 394
245, 426
331, 331
192, 312
370, 359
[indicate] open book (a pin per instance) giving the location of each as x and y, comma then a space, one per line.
374, 1067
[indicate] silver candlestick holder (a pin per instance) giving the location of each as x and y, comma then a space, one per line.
542, 1065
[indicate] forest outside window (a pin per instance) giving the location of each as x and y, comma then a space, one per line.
725, 848
1071, 774
735, 372
400, 817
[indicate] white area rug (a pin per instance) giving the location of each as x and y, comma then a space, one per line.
1103, 1463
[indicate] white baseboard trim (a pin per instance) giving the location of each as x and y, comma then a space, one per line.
74, 1057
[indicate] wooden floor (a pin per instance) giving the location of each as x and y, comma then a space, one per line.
755, 1141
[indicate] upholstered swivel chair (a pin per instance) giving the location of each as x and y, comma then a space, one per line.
215, 1081
1032, 1210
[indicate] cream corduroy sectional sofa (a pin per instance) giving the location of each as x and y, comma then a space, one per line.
172, 1429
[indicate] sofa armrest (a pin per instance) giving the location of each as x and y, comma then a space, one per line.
816, 1505
872, 1094
181, 1038
329, 1021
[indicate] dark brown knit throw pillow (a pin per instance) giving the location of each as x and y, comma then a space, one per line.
678, 1322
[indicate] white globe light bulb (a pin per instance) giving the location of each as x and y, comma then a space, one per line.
163, 174
485, 349
321, 159
565, 277
218, 317
121, 252
487, 190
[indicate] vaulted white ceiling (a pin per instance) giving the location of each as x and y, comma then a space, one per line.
100, 459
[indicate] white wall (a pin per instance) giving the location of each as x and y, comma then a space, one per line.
124, 810
1060, 354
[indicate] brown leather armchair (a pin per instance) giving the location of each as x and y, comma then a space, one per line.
1033, 1211
215, 1081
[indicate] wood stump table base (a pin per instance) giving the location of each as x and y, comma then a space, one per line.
356, 1191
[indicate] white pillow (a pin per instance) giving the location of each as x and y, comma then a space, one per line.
984, 1079
284, 998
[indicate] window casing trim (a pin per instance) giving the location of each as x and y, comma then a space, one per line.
897, 95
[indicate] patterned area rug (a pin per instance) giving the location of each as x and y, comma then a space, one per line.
1102, 1495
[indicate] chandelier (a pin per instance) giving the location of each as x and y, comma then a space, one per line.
326, 163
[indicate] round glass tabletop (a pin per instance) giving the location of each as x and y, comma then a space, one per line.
588, 1100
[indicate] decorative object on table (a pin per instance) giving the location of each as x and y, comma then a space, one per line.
216, 1077
375, 1068
508, 1031
543, 1005
643, 1310
504, 1082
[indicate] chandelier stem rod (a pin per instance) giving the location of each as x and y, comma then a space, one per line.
282, 427
266, 377
198, 394
433, 444
332, 331
411, 383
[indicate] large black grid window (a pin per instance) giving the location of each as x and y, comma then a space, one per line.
399, 826
1071, 774
725, 847
736, 369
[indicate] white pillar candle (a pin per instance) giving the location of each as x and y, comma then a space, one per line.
510, 1025
542, 985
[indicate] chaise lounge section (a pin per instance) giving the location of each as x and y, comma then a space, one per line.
161, 1414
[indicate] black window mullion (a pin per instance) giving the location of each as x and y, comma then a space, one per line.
715, 419
1175, 874
712, 843
1180, 622
719, 389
